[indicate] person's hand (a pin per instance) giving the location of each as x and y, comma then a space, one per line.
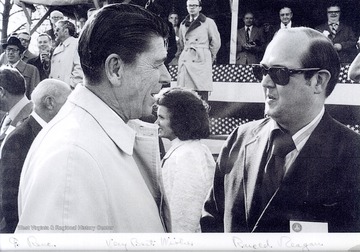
45, 57
337, 47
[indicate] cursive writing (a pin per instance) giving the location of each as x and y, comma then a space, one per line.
239, 243
287, 242
174, 241
111, 243
34, 243
135, 242
14, 242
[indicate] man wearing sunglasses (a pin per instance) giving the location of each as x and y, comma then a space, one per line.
297, 169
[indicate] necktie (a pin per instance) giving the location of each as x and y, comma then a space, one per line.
333, 28
5, 124
247, 35
274, 169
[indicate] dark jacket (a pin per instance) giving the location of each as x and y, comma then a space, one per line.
13, 156
322, 185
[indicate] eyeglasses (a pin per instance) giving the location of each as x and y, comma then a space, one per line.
279, 75
24, 40
11, 50
333, 12
193, 5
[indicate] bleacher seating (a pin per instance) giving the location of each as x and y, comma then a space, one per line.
222, 125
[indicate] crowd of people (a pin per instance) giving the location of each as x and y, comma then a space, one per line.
252, 40
77, 155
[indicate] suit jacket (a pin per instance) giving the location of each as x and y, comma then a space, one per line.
322, 185
31, 75
13, 156
39, 65
19, 118
253, 55
344, 36
65, 63
27, 55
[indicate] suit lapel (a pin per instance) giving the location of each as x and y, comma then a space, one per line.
255, 158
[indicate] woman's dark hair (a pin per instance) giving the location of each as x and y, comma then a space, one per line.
123, 29
189, 118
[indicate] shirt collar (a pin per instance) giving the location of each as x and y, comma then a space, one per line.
287, 26
38, 119
15, 64
18, 107
331, 23
120, 133
304, 132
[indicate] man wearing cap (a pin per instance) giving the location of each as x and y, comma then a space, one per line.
13, 50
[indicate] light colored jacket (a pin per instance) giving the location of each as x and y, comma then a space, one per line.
83, 171
65, 63
187, 173
199, 43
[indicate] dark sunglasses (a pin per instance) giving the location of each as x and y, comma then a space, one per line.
279, 75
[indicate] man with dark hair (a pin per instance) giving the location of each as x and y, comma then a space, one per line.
341, 35
25, 40
298, 168
12, 100
100, 175
13, 51
42, 61
48, 97
65, 62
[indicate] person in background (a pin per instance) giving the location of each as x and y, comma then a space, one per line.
25, 40
188, 166
42, 61
48, 97
250, 44
341, 35
65, 62
298, 166
199, 43
13, 51
54, 17
174, 20
286, 16
98, 171
156, 7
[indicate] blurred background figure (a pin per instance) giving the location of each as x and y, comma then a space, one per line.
65, 61
199, 42
188, 166
250, 44
48, 97
42, 61
174, 20
54, 17
13, 51
341, 35
25, 40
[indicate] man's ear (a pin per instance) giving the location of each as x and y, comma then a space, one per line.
49, 102
322, 80
113, 69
